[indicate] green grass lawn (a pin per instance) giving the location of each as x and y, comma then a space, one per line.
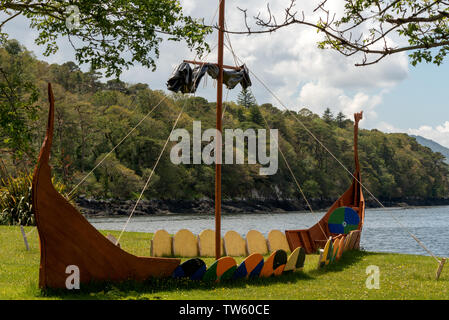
401, 277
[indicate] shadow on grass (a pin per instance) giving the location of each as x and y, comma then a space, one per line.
348, 259
134, 290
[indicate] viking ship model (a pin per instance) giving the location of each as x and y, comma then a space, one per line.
67, 238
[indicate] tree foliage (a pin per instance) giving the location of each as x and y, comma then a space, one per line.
101, 31
340, 119
368, 27
92, 117
246, 98
328, 116
18, 97
15, 199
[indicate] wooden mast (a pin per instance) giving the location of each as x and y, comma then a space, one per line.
219, 129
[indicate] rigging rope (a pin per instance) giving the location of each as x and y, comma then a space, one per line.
158, 159
138, 124
293, 175
117, 145
420, 243
278, 146
344, 167
234, 56
152, 172
225, 104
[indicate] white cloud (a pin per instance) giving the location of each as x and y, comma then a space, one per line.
188, 6
288, 61
318, 97
389, 128
439, 134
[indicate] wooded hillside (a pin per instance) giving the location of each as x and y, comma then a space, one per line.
92, 117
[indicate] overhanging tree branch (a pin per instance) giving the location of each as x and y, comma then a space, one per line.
109, 28
424, 25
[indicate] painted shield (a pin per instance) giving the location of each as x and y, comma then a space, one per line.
221, 269
193, 269
343, 220
250, 267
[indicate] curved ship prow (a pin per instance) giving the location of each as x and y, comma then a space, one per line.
316, 236
68, 239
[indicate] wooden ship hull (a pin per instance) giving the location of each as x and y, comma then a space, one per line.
68, 239
315, 237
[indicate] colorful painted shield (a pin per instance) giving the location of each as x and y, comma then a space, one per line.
324, 255
193, 269
295, 260
274, 264
343, 220
250, 267
221, 269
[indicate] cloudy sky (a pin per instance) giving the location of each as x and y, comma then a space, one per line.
394, 96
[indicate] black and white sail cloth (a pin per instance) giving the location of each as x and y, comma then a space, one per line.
186, 80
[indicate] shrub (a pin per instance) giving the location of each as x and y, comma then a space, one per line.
16, 202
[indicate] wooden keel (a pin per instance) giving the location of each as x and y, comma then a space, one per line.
68, 239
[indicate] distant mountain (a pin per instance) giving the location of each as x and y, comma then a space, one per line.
434, 146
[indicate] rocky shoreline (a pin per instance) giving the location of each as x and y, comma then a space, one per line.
95, 207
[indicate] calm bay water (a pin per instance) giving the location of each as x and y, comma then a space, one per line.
381, 232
